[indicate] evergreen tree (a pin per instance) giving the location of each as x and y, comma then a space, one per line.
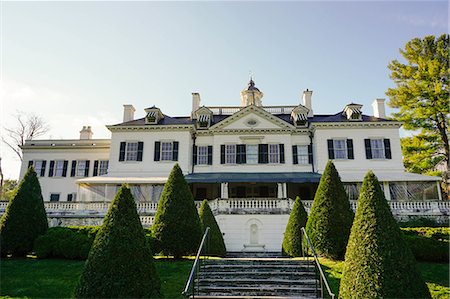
378, 262
207, 219
120, 262
331, 216
177, 225
292, 242
24, 219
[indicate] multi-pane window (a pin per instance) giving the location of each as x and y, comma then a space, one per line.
59, 168
302, 154
54, 196
166, 151
230, 154
252, 153
132, 151
71, 197
340, 148
38, 167
103, 167
377, 148
274, 153
202, 155
81, 168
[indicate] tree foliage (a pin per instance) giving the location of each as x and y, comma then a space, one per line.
378, 262
8, 190
177, 224
331, 216
422, 95
120, 263
292, 242
24, 219
216, 243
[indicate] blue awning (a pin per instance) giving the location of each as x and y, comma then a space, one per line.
253, 177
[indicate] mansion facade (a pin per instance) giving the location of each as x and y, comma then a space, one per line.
250, 161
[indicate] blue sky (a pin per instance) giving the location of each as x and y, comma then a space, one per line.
76, 63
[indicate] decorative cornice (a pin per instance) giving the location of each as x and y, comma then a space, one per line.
337, 125
151, 128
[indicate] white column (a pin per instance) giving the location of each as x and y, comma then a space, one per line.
224, 190
280, 190
438, 184
284, 190
387, 193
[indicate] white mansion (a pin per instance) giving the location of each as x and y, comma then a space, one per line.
250, 161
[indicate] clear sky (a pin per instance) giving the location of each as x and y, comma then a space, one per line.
77, 63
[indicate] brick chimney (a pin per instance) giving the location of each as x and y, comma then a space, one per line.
379, 109
86, 133
128, 113
307, 101
195, 103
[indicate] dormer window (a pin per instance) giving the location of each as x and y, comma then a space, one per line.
353, 112
153, 116
299, 116
301, 120
204, 120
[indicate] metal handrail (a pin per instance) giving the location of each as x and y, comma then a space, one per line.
323, 278
195, 266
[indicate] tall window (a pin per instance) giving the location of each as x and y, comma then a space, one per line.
302, 154
252, 153
230, 154
39, 167
377, 148
103, 167
340, 148
166, 151
202, 155
131, 151
59, 167
81, 168
274, 153
54, 196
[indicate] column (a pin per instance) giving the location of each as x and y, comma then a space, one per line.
224, 190
284, 190
280, 190
387, 193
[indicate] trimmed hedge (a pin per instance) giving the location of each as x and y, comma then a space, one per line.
216, 242
292, 241
428, 244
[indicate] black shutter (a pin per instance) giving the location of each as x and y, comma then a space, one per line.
69, 197
30, 163
175, 151
44, 163
240, 157
294, 154
330, 149
310, 154
65, 168
210, 154
95, 168
263, 153
194, 154
157, 155
73, 169
282, 153
140, 150
122, 151
86, 170
387, 149
350, 154
368, 148
51, 168
222, 154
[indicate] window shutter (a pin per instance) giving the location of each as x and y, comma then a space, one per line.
69, 197
73, 169
65, 168
368, 148
51, 168
86, 170
294, 155
157, 155
350, 154
30, 163
263, 153
175, 151
194, 154
330, 149
122, 151
222, 154
140, 150
387, 149
240, 157
44, 163
95, 168
281, 153
210, 155
310, 154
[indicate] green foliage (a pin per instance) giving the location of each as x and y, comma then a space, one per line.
177, 224
422, 222
24, 219
9, 189
436, 233
428, 244
120, 263
421, 94
207, 219
292, 242
378, 262
331, 216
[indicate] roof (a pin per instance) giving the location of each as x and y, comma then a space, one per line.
256, 177
388, 176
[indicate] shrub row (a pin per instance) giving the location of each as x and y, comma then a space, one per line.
428, 244
436, 233
423, 222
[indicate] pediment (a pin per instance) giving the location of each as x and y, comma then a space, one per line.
254, 118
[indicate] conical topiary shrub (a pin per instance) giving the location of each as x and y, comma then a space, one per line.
292, 242
120, 262
24, 219
331, 216
216, 244
378, 262
177, 225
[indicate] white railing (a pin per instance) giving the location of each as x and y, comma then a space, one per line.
235, 205
233, 109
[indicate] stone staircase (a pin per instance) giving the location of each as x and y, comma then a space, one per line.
256, 277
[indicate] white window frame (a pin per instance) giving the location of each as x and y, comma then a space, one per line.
38, 169
102, 169
58, 168
274, 153
81, 168
251, 157
230, 153
340, 153
302, 154
131, 150
166, 151
202, 155
377, 152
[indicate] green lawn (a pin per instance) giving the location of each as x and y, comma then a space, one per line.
436, 276
54, 278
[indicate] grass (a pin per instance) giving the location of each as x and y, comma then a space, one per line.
56, 278
436, 276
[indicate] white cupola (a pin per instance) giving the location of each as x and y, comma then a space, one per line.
153, 115
353, 111
251, 95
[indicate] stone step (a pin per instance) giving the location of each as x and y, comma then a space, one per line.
275, 254
261, 290
233, 261
249, 297
253, 268
260, 274
256, 282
